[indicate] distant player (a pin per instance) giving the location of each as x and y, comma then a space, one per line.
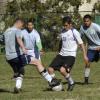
17, 56
64, 61
32, 40
92, 33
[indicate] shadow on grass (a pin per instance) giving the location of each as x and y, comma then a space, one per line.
49, 89
78, 83
5, 91
32, 77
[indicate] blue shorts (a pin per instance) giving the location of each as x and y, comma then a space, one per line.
93, 55
25, 59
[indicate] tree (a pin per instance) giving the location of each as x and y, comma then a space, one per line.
97, 6
47, 16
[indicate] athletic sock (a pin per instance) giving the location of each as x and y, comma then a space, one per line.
69, 79
52, 75
19, 81
87, 72
46, 75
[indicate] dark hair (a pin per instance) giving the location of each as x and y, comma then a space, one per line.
67, 19
87, 16
31, 21
19, 19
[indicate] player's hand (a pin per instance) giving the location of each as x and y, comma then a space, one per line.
86, 59
24, 51
98, 49
42, 52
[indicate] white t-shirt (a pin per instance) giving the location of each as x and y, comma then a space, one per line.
92, 34
70, 41
30, 40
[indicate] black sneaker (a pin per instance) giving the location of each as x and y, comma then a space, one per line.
86, 82
54, 82
70, 87
16, 90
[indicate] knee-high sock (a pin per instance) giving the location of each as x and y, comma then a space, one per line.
69, 79
46, 75
87, 72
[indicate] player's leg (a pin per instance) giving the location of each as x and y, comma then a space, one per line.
44, 72
66, 69
19, 78
55, 65
51, 72
91, 57
19, 72
27, 59
14, 68
66, 73
87, 73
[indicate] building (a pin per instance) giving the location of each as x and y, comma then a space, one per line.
87, 7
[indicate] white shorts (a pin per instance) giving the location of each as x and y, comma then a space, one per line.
34, 54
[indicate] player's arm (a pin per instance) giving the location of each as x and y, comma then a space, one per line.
97, 29
38, 42
60, 45
60, 42
80, 42
84, 53
20, 42
83, 37
2, 40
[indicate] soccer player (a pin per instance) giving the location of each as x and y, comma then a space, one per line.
13, 51
32, 40
92, 33
16, 55
64, 61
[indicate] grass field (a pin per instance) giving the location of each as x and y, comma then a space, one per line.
35, 87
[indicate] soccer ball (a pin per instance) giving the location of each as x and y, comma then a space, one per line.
57, 88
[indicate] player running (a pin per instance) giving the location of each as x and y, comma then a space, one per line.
92, 33
16, 55
64, 61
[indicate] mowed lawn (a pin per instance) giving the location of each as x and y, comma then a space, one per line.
36, 88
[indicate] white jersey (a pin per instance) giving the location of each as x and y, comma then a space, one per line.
92, 35
70, 41
30, 40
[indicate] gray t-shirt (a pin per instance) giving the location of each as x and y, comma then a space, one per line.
11, 46
92, 34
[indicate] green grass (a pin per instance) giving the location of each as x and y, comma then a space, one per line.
35, 87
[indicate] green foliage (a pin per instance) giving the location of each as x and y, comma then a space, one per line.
48, 16
97, 6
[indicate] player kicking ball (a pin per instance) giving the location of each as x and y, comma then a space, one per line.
91, 31
64, 61
33, 45
17, 57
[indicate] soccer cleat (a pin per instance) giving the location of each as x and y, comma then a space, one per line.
16, 90
70, 87
54, 82
86, 81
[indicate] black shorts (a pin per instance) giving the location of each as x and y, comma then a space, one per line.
19, 62
65, 61
16, 65
25, 59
